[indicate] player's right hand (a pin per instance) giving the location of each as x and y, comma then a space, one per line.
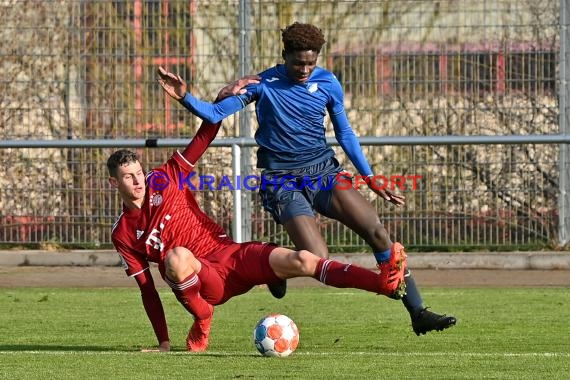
238, 87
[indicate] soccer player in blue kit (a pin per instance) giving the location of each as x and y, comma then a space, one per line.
300, 173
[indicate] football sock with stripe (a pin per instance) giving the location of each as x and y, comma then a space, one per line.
187, 292
341, 275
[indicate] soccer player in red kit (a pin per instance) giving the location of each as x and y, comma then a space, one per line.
157, 215
162, 223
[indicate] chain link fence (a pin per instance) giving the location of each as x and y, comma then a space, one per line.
82, 70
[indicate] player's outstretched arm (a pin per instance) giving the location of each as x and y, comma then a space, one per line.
207, 131
237, 87
351, 146
176, 87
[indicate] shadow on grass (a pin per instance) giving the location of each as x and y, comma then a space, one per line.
33, 348
39, 347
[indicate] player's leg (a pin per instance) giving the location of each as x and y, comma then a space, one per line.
351, 208
287, 263
181, 270
296, 209
348, 206
289, 207
257, 263
304, 233
181, 274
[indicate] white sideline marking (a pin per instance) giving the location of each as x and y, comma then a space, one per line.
336, 354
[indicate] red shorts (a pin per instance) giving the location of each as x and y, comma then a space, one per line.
235, 270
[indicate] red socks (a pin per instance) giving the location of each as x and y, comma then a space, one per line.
187, 292
342, 275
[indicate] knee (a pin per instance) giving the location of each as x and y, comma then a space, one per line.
179, 263
305, 262
378, 237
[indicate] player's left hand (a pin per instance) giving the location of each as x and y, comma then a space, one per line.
396, 199
172, 83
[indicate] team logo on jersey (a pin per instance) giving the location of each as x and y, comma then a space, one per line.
139, 234
313, 87
156, 199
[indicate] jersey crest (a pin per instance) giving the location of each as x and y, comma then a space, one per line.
156, 199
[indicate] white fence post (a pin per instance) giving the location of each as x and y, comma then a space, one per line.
236, 166
564, 155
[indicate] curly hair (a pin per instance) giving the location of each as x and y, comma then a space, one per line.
301, 37
119, 158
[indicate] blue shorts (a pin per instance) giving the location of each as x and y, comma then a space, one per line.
289, 193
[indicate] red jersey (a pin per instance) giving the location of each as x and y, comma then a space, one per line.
169, 217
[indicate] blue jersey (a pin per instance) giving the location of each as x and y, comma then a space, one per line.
291, 132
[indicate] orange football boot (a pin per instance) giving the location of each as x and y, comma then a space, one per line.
392, 282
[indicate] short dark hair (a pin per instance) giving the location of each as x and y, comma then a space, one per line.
302, 37
120, 157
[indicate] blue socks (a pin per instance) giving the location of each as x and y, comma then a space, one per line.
383, 256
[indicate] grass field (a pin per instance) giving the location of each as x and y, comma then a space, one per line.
345, 334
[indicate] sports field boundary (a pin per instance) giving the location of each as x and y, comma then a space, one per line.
541, 260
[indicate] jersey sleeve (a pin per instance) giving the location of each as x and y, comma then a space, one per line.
213, 112
132, 264
196, 148
153, 305
212, 116
343, 131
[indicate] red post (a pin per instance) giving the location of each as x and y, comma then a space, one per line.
138, 61
384, 73
501, 86
443, 77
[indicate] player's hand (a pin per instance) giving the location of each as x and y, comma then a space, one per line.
172, 83
238, 87
163, 347
398, 200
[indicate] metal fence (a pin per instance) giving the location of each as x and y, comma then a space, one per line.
80, 76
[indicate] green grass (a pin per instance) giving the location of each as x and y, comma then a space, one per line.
345, 334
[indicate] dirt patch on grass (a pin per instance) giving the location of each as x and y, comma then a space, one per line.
96, 276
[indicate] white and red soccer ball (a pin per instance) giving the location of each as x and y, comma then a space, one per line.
276, 335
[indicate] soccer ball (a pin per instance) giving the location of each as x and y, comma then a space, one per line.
276, 335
